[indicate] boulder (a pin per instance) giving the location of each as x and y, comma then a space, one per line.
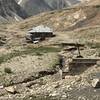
10, 89
96, 83
1, 86
54, 94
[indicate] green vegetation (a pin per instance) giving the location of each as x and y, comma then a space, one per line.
42, 49
93, 45
29, 50
55, 62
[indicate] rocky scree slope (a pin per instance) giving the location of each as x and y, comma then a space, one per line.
64, 20
90, 2
9, 10
33, 7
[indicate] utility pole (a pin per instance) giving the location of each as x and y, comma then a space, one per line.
78, 49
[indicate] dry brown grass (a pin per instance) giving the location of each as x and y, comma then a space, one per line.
63, 20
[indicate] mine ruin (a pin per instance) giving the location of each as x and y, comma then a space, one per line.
39, 33
71, 64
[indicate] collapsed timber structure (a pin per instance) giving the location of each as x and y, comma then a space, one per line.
73, 64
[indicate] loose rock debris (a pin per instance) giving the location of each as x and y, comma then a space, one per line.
11, 89
96, 83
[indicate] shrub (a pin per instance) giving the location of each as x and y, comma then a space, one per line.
8, 70
39, 54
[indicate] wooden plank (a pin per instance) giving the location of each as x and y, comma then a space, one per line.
85, 60
72, 44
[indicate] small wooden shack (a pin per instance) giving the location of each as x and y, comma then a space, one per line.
39, 33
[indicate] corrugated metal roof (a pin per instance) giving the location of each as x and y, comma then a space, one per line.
41, 28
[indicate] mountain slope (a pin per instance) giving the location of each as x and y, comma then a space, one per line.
90, 2
33, 7
10, 10
66, 19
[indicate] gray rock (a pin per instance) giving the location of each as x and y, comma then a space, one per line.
1, 86
96, 83
54, 94
10, 10
10, 89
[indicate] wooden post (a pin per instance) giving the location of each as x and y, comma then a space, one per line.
79, 53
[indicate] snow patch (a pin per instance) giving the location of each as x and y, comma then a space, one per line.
84, 0
69, 3
20, 2
16, 18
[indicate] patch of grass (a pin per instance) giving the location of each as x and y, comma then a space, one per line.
93, 45
29, 50
39, 54
43, 49
55, 62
